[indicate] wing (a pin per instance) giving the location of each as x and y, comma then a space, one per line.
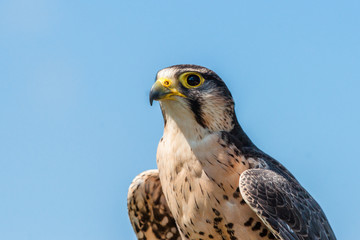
284, 206
148, 211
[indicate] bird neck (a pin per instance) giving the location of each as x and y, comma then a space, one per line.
188, 127
238, 133
179, 120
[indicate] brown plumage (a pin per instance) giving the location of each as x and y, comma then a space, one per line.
148, 210
213, 182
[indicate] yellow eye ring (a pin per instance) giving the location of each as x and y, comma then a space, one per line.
191, 79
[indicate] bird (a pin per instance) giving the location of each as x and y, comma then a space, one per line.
212, 181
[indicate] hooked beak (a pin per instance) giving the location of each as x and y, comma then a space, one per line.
162, 89
158, 91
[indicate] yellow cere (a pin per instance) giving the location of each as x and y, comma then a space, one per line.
165, 82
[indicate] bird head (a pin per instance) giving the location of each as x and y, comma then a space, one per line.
194, 97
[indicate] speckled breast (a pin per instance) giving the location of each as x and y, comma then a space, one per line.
201, 188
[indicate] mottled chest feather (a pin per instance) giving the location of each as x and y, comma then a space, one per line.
200, 182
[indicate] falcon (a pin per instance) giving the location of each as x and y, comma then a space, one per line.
212, 182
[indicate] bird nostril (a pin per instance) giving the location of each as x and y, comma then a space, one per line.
166, 83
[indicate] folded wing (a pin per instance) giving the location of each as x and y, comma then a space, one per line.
284, 206
148, 210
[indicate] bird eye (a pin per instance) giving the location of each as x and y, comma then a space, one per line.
193, 80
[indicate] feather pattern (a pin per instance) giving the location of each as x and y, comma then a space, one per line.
284, 206
213, 182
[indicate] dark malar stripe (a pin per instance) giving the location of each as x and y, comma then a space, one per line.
195, 106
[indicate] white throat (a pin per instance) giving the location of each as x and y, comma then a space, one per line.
180, 120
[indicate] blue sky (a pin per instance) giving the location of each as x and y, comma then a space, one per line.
76, 125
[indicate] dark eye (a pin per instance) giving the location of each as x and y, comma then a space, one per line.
193, 80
